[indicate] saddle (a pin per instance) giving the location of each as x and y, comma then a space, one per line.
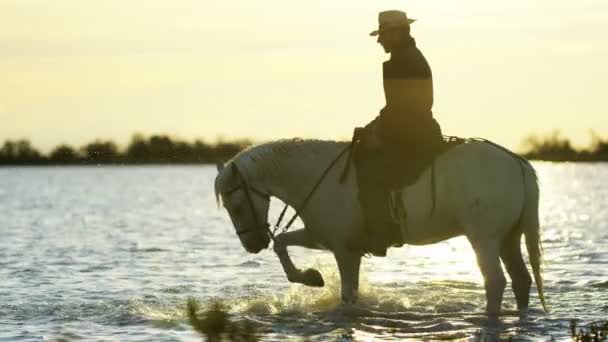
380, 179
396, 203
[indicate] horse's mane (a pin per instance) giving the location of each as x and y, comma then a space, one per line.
265, 159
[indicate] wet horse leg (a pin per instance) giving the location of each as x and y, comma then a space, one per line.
300, 237
521, 282
485, 233
487, 252
348, 266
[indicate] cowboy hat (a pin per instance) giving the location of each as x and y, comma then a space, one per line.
391, 19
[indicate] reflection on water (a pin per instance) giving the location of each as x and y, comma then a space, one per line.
114, 252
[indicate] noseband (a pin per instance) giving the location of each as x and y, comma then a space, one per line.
243, 185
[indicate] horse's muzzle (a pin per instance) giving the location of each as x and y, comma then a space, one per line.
255, 249
255, 243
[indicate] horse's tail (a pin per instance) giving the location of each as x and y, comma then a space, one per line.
529, 223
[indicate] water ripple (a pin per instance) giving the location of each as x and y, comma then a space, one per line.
113, 253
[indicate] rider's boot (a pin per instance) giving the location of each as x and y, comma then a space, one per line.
379, 232
376, 238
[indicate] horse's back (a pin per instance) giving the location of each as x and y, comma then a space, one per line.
471, 179
480, 163
486, 177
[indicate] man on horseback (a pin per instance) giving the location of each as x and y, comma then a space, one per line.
402, 141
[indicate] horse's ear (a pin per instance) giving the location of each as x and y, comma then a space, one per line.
220, 166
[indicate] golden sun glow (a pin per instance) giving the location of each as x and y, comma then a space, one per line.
72, 71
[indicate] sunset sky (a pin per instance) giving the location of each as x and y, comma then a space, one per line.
75, 70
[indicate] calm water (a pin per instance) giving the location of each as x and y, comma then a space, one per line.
112, 253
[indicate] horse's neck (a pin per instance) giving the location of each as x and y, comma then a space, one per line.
294, 177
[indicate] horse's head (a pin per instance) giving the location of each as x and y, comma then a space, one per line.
246, 205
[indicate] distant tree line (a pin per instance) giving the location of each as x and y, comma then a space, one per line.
162, 149
554, 147
156, 149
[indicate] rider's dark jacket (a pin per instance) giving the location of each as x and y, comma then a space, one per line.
408, 88
410, 137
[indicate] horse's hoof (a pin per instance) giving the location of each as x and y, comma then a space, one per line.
523, 314
312, 277
349, 303
491, 321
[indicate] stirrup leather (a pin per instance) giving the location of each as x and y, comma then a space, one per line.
398, 212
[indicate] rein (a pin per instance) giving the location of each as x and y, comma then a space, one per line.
243, 185
309, 196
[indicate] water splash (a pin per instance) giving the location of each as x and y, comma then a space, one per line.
425, 297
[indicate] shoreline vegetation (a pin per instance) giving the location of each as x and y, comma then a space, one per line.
141, 150
164, 149
554, 147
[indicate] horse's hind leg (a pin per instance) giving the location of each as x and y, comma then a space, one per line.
521, 282
487, 251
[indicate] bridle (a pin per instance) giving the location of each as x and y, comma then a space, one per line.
243, 185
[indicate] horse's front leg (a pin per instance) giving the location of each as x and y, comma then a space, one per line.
302, 238
348, 265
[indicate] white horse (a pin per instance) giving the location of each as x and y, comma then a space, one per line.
482, 191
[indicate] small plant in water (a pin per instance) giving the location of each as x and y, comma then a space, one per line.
214, 323
596, 333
